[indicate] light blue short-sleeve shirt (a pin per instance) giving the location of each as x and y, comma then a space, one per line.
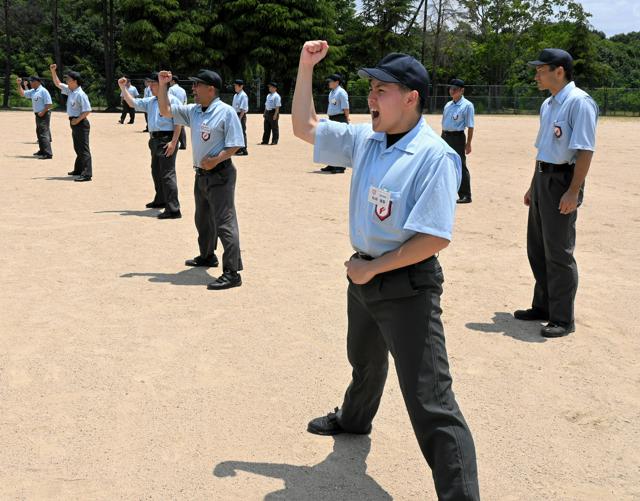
155, 121
147, 92
459, 115
77, 101
212, 130
567, 124
179, 92
133, 91
273, 101
40, 98
338, 101
240, 102
420, 171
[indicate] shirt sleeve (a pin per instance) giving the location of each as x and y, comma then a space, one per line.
470, 115
29, 93
436, 193
585, 115
86, 105
141, 104
47, 98
233, 131
64, 88
277, 102
244, 103
344, 101
134, 92
181, 113
335, 143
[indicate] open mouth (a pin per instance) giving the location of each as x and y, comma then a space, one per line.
375, 114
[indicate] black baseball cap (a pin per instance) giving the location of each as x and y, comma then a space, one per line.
208, 77
336, 77
273, 84
238, 81
74, 75
35, 78
556, 57
153, 77
174, 78
456, 82
400, 69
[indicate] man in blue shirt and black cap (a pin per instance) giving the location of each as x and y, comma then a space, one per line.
401, 213
566, 142
272, 115
241, 105
338, 110
41, 104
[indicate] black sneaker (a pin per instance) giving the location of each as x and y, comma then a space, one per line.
226, 281
211, 261
82, 179
328, 425
44, 157
155, 205
464, 200
553, 329
37, 153
530, 314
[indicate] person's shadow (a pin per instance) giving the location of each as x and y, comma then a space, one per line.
342, 476
504, 323
56, 178
125, 212
191, 276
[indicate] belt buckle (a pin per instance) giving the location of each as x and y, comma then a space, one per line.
539, 165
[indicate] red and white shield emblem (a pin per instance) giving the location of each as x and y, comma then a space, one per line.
205, 136
383, 211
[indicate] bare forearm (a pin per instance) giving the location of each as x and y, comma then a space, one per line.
126, 96
176, 133
163, 101
346, 113
416, 249
303, 113
583, 162
469, 135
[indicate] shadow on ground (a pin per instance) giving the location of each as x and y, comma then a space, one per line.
341, 476
191, 276
56, 178
124, 212
504, 323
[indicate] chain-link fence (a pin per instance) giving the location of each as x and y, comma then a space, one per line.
494, 99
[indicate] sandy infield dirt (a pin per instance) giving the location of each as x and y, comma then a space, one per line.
122, 377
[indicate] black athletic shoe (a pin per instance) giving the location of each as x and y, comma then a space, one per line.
211, 261
225, 281
464, 200
82, 179
37, 153
167, 214
530, 314
328, 425
553, 329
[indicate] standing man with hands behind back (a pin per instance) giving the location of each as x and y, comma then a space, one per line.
401, 214
78, 109
216, 134
566, 142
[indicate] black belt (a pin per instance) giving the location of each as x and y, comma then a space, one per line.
548, 168
338, 115
453, 132
217, 168
72, 118
162, 133
366, 257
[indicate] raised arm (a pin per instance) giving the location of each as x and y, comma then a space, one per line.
54, 76
164, 106
126, 95
303, 112
20, 87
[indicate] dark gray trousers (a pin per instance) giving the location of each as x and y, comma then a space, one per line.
399, 312
43, 131
458, 142
126, 109
243, 122
551, 239
80, 135
271, 128
215, 215
163, 172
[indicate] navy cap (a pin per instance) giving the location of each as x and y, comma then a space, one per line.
556, 57
456, 82
336, 77
208, 77
238, 82
273, 84
174, 78
74, 75
35, 78
153, 77
400, 69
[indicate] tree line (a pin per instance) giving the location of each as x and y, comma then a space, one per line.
485, 42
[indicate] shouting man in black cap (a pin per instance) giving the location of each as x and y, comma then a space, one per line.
566, 142
401, 213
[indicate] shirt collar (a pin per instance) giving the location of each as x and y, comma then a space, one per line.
212, 106
561, 96
409, 141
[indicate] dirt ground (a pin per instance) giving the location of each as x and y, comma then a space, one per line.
122, 377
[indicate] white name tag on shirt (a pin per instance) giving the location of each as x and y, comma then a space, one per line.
380, 197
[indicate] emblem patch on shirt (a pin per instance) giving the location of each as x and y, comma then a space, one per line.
205, 132
384, 211
557, 131
456, 116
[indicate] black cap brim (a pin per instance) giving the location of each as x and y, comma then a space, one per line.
378, 74
199, 80
537, 63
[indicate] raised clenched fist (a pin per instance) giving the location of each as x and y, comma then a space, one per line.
164, 77
313, 52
